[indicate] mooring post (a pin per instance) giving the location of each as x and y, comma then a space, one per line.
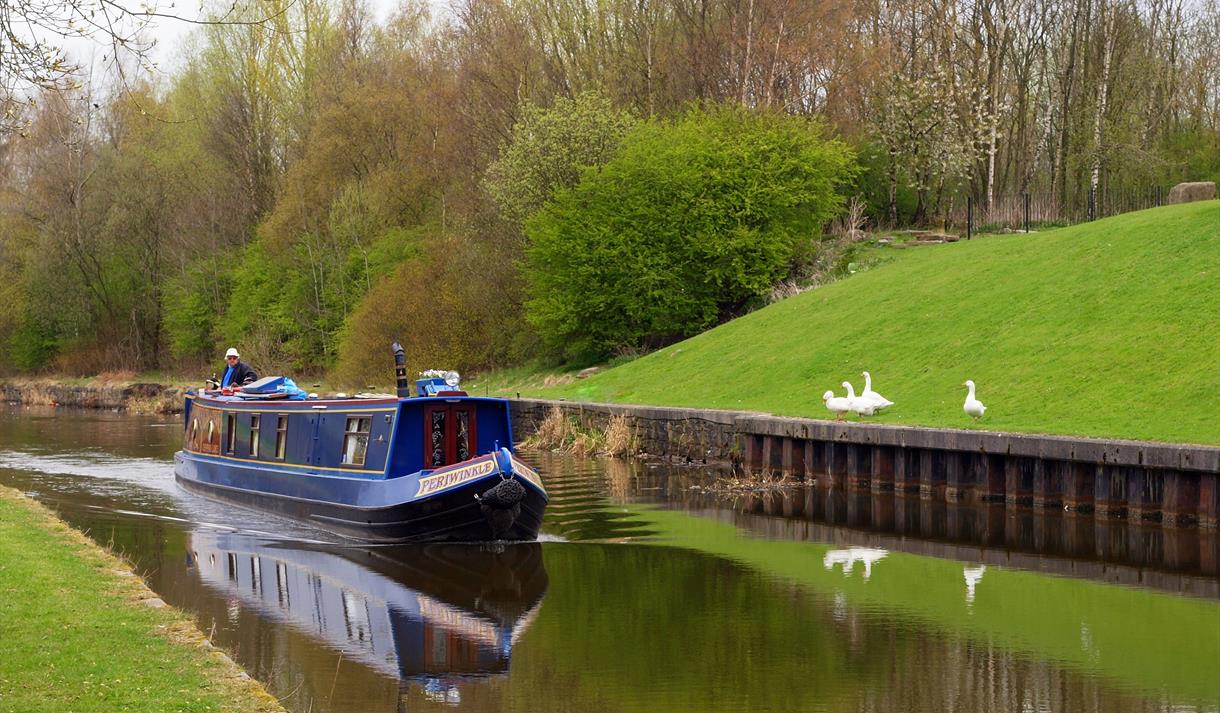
766, 459
1018, 481
991, 480
883, 468
859, 465
785, 456
821, 462
1078, 487
969, 216
1179, 498
958, 471
752, 458
927, 474
796, 457
903, 480
1143, 494
1048, 483
1110, 492
1209, 500
1027, 213
836, 462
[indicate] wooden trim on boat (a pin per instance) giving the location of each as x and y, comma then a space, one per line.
283, 464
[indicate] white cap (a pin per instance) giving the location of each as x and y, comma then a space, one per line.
232, 352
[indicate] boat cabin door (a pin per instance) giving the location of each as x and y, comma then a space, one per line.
449, 433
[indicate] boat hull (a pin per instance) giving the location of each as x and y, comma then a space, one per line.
438, 506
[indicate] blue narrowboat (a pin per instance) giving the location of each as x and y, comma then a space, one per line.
438, 466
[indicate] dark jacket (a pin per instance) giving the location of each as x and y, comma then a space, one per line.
242, 374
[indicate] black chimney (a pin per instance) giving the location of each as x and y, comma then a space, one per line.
400, 371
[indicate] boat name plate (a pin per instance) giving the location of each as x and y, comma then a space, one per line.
446, 480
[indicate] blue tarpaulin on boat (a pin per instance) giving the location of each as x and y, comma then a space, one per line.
274, 385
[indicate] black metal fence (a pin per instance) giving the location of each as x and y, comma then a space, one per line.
1028, 211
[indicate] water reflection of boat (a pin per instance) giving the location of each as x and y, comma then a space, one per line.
414, 612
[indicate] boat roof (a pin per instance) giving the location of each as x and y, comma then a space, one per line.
282, 404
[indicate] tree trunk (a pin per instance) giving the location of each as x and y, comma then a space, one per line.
1103, 91
893, 193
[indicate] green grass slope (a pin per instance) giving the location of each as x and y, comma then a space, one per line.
1108, 329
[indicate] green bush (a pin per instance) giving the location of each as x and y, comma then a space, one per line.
686, 226
194, 302
31, 345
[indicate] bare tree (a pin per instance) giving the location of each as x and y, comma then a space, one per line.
34, 33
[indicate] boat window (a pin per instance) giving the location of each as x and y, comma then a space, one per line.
254, 435
356, 440
193, 438
437, 438
212, 443
231, 425
281, 436
463, 435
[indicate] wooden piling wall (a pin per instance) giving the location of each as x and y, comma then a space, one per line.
1175, 485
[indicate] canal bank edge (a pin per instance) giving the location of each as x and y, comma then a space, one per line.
235, 690
112, 396
1175, 485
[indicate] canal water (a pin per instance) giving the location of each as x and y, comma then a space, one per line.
652, 588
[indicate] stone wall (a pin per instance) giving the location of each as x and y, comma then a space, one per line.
685, 435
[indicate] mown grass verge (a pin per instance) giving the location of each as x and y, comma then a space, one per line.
80, 636
1107, 329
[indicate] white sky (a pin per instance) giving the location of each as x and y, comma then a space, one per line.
171, 35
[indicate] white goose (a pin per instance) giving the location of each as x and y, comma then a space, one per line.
870, 395
972, 407
859, 405
839, 405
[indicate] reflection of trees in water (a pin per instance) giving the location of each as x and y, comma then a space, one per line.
621, 477
45, 429
582, 494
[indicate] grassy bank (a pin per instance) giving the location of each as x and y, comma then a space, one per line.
1106, 329
80, 636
